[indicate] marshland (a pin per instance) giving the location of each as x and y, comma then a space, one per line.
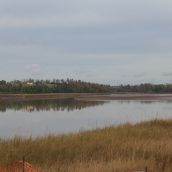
115, 149
88, 132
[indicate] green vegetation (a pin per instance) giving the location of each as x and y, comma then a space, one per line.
55, 86
145, 88
125, 148
76, 86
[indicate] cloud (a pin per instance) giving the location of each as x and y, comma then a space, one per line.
139, 75
93, 26
167, 74
31, 14
97, 40
81, 20
33, 69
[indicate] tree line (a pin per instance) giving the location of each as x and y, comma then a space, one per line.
31, 86
145, 88
52, 86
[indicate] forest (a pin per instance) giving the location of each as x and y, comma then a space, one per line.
52, 86
144, 88
31, 86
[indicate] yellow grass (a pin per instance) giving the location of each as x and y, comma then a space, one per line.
115, 149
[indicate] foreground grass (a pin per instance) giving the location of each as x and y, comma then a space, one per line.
115, 149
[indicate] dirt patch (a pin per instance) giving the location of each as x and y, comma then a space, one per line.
19, 167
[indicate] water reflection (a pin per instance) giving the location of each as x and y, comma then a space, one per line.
143, 101
47, 105
44, 117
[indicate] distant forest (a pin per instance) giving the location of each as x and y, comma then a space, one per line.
31, 86
52, 86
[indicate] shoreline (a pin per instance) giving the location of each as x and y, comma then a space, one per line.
85, 96
127, 96
45, 96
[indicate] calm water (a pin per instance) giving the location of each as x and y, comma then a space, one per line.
39, 118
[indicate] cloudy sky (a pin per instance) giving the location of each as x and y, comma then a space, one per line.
104, 41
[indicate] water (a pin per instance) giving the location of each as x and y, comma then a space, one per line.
40, 118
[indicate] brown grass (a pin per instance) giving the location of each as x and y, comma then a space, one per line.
115, 149
8, 97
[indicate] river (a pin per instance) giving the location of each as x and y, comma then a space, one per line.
43, 117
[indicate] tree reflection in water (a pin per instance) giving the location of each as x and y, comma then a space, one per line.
47, 105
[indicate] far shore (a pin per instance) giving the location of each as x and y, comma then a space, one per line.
45, 96
127, 96
86, 96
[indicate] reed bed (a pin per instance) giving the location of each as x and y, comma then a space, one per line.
113, 149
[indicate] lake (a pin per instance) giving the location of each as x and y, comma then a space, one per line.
44, 117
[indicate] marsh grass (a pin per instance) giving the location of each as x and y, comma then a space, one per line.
114, 149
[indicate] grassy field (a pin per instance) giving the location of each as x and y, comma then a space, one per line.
125, 148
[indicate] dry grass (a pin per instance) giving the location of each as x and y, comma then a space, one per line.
115, 149
41, 96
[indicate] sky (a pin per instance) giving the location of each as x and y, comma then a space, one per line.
104, 41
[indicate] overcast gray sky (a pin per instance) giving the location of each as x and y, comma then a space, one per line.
105, 41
